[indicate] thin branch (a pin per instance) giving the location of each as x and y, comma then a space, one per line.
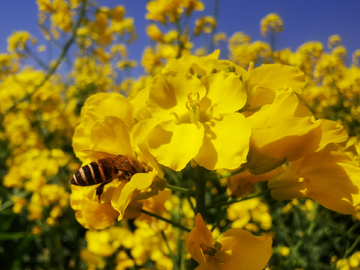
226, 175
166, 220
55, 66
171, 255
213, 32
36, 58
180, 189
216, 205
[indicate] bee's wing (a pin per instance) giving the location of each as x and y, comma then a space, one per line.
109, 161
96, 155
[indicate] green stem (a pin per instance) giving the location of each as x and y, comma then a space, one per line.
179, 31
36, 58
5, 205
349, 232
272, 40
220, 216
200, 184
166, 220
351, 249
226, 175
216, 205
213, 32
57, 63
170, 253
180, 189
9, 203
309, 230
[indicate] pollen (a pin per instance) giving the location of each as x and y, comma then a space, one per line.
193, 107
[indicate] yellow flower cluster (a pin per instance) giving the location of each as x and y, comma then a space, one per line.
144, 243
352, 263
174, 162
271, 23
35, 133
331, 90
175, 42
223, 117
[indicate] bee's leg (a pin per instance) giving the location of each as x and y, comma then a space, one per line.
124, 175
100, 189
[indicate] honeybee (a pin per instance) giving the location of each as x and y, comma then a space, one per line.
104, 168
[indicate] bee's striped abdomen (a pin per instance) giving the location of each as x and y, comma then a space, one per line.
92, 174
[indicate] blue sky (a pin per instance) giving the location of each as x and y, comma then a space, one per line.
304, 20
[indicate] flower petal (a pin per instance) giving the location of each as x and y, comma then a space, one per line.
198, 236
284, 106
332, 132
96, 108
290, 139
111, 135
265, 81
174, 145
123, 197
276, 77
331, 178
242, 250
141, 111
169, 95
226, 91
97, 216
226, 142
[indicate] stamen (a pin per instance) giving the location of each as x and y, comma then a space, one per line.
193, 106
194, 109
212, 110
175, 114
210, 252
251, 66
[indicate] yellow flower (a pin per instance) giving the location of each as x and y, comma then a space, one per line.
45, 5
97, 107
334, 41
18, 40
241, 183
263, 83
62, 16
93, 261
235, 249
117, 13
91, 214
19, 203
198, 119
191, 5
327, 176
202, 66
356, 57
204, 24
271, 23
220, 37
243, 212
101, 130
123, 261
163, 10
156, 205
151, 60
154, 33
279, 133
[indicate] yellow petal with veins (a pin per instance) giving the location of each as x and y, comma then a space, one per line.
174, 145
169, 95
226, 142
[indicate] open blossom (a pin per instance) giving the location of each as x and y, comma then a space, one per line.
271, 23
328, 176
236, 249
197, 119
104, 130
